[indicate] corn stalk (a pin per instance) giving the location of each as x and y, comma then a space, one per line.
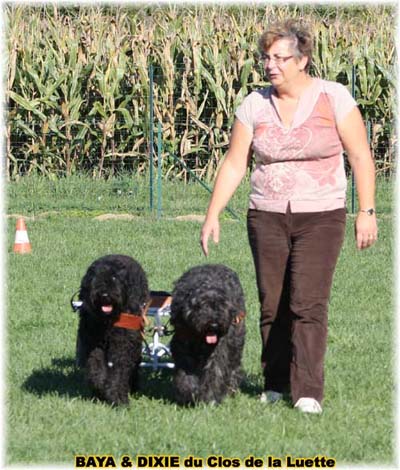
78, 84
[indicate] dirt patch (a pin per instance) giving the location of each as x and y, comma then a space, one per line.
115, 217
191, 217
32, 217
188, 217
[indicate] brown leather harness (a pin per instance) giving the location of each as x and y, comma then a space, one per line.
131, 321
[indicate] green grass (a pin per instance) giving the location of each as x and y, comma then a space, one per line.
79, 195
50, 414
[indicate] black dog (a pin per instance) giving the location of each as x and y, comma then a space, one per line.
207, 312
114, 293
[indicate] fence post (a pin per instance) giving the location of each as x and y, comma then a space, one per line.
151, 133
192, 173
369, 131
159, 173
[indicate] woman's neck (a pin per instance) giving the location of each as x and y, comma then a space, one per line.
293, 91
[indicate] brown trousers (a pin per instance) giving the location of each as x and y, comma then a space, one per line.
295, 255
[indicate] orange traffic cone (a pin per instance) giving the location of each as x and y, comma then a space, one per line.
21, 244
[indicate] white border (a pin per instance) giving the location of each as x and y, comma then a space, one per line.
2, 219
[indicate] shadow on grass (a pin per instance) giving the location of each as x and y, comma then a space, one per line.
63, 378
156, 384
251, 385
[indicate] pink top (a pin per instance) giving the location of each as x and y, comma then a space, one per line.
302, 164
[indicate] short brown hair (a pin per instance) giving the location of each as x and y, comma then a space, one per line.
302, 41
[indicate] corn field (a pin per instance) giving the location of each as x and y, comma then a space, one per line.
78, 85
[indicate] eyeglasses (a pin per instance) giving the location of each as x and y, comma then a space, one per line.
279, 60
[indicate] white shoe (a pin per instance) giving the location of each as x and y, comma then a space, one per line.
270, 396
308, 405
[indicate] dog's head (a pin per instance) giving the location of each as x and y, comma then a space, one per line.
209, 314
206, 302
112, 285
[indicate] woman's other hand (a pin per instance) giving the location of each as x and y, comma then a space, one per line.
366, 230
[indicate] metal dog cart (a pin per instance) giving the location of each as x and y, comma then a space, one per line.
157, 354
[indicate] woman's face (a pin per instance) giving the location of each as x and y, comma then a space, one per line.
281, 65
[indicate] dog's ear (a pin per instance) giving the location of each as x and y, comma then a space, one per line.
176, 314
85, 283
138, 289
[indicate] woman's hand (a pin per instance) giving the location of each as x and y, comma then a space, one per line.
210, 227
366, 230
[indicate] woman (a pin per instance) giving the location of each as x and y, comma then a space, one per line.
297, 129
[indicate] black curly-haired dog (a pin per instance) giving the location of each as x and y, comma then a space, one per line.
114, 293
207, 312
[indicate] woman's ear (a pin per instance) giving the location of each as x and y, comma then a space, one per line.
303, 63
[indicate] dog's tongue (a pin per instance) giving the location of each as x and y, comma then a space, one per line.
211, 339
106, 308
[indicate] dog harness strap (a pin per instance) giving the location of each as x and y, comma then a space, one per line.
239, 317
130, 322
